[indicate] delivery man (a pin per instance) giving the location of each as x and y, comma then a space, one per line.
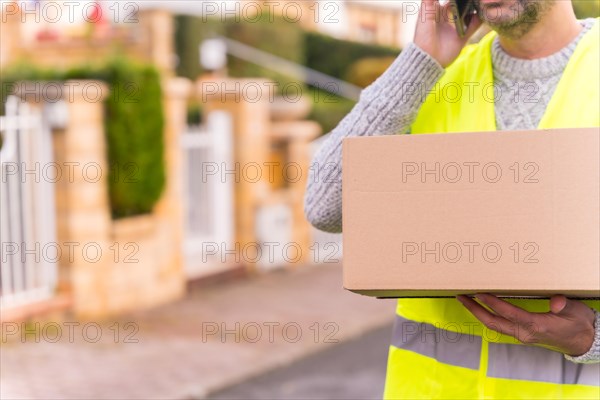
538, 68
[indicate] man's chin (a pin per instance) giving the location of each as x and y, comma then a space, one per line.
510, 28
513, 18
498, 22
498, 13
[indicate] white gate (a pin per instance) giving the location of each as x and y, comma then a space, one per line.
208, 194
28, 234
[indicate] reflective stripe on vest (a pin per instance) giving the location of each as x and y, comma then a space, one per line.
531, 363
448, 347
421, 367
505, 360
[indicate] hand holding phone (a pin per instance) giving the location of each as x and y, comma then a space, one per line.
436, 32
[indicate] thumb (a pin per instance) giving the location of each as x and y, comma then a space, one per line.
560, 304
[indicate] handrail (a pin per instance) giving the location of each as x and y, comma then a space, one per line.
281, 65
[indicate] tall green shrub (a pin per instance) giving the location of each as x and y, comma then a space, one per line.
134, 132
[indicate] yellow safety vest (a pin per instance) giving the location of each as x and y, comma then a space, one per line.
439, 350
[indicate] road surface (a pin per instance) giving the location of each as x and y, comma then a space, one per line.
351, 370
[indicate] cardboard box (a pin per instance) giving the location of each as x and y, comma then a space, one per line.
515, 213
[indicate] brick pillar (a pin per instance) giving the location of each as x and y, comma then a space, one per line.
158, 33
297, 135
83, 211
169, 209
10, 33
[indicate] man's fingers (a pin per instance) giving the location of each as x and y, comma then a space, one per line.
558, 304
491, 321
562, 306
429, 10
447, 13
505, 309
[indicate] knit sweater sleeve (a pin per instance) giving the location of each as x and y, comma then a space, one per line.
388, 106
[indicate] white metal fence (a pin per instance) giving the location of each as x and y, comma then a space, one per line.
29, 251
208, 193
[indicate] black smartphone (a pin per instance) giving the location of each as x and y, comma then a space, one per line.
463, 13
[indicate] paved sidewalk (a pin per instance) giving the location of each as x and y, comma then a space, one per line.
354, 369
212, 339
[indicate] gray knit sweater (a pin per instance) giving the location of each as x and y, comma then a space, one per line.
384, 108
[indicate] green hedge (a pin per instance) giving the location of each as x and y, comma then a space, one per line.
587, 8
134, 124
342, 59
366, 70
335, 56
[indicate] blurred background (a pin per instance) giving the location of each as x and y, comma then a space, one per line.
154, 157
